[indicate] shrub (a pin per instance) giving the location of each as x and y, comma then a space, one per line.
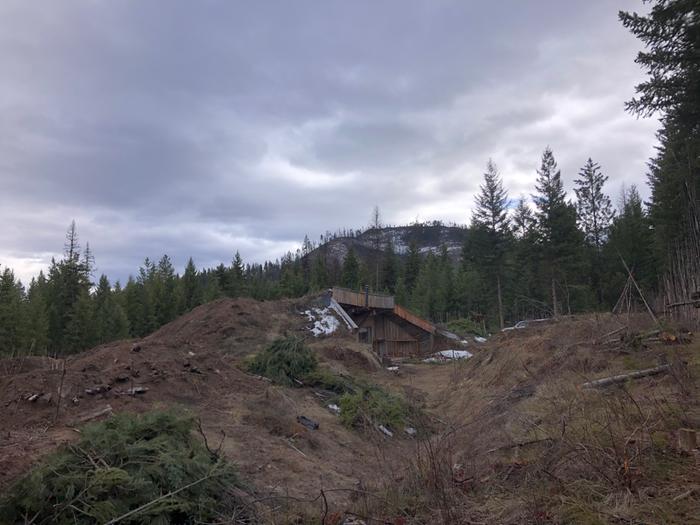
121, 465
370, 405
284, 360
327, 380
361, 405
465, 326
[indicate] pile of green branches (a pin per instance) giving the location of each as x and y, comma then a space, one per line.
133, 469
370, 405
286, 361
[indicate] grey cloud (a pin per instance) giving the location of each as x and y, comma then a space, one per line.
201, 129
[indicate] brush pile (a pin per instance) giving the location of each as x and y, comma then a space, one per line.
129, 469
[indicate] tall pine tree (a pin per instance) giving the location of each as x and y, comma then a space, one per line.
491, 217
559, 237
595, 214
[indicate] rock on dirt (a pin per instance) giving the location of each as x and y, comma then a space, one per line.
308, 423
137, 390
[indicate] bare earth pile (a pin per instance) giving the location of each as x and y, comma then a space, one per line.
517, 439
195, 362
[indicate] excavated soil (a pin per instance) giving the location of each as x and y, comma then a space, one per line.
195, 363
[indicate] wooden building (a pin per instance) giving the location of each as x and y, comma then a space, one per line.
392, 330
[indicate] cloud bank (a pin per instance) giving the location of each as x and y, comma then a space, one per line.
202, 129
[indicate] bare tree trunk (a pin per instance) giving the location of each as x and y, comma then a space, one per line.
500, 300
555, 307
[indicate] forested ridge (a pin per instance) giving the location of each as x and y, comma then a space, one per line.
545, 254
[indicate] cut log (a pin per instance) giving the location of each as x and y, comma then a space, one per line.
607, 381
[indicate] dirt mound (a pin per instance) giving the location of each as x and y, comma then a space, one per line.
193, 362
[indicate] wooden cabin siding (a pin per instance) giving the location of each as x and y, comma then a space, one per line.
397, 349
392, 330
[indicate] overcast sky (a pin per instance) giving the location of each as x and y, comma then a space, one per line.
202, 128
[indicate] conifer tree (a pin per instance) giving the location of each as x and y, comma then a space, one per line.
110, 321
319, 273
595, 211
390, 268
36, 318
631, 238
491, 217
11, 298
525, 256
558, 233
191, 288
235, 283
424, 297
351, 270
523, 219
401, 296
80, 330
670, 33
212, 290
292, 279
413, 266
595, 214
140, 301
445, 284
164, 304
68, 281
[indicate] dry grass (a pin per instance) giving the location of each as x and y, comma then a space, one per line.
525, 444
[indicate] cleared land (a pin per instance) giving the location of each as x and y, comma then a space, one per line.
513, 436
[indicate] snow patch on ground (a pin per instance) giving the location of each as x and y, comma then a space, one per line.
447, 355
324, 322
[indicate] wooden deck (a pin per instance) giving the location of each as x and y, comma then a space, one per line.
363, 299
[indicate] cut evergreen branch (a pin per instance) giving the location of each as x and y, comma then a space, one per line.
285, 361
148, 468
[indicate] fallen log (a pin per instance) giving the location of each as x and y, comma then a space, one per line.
607, 381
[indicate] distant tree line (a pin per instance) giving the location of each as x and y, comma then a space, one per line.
67, 310
520, 261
